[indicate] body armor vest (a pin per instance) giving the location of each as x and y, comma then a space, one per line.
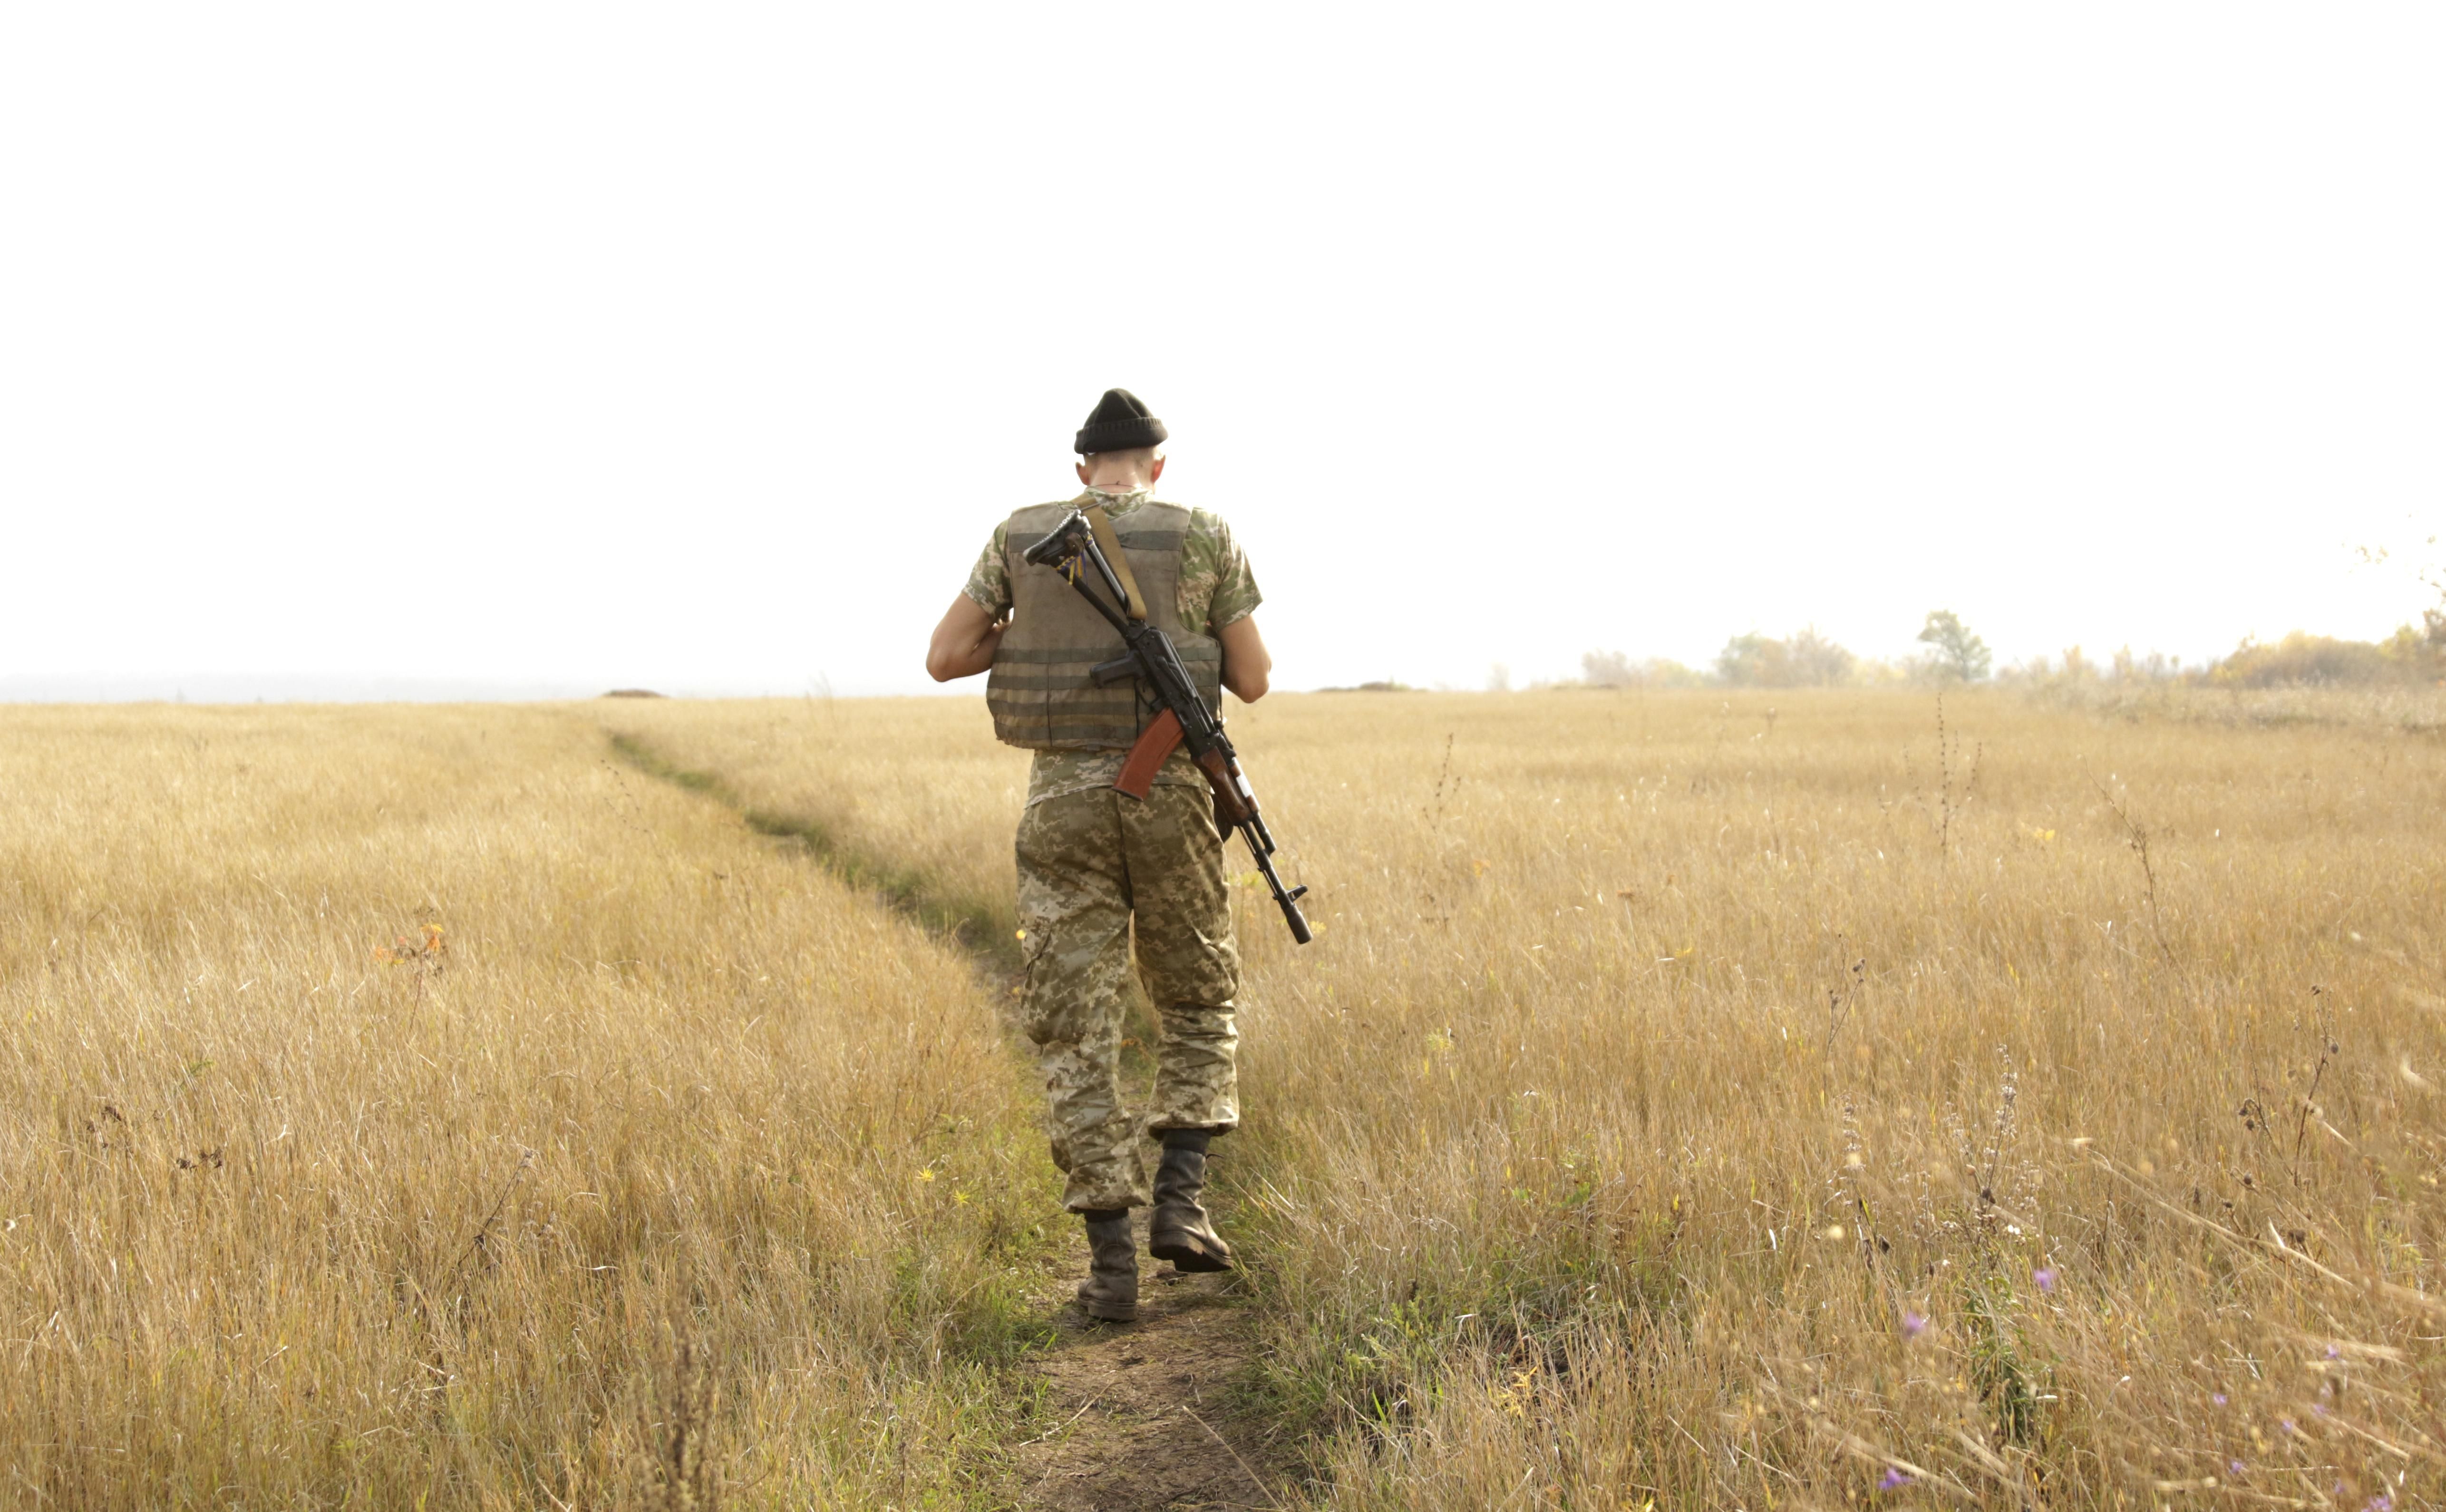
1041, 692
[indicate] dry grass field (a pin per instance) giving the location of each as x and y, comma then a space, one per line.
1783, 1101
663, 1164
1759, 1101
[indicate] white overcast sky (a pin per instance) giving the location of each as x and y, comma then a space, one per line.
529, 347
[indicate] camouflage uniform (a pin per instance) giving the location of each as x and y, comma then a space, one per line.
1093, 864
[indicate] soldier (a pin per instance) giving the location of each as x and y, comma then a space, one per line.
1096, 864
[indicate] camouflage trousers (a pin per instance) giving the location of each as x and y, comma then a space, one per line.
1090, 865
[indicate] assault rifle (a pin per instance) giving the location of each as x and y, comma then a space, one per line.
1183, 720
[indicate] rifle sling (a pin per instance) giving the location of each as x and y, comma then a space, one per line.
1163, 734
1110, 545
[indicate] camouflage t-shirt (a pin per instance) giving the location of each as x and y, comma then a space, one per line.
1216, 588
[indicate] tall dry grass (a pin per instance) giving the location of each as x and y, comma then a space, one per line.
1761, 1101
2402, 705
1740, 1065
909, 796
668, 1169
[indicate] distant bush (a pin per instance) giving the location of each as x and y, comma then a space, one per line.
1807, 660
2421, 651
2155, 666
2304, 660
1611, 668
2301, 659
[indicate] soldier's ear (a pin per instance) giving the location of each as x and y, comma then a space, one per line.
1082, 472
1155, 473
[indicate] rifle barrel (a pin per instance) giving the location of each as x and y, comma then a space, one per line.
1287, 902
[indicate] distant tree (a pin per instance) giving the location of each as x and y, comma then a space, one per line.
1811, 660
2432, 621
1607, 668
1750, 661
2416, 651
2420, 653
1807, 660
2408, 644
1959, 653
1611, 668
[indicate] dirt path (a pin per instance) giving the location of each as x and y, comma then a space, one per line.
1145, 1412
1146, 1415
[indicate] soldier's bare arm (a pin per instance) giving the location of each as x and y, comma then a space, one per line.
963, 643
1246, 663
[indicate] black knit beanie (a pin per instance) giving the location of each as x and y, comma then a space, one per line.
1121, 422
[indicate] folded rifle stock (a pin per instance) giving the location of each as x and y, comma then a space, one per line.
1182, 717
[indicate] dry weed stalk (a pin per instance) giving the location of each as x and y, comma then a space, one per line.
683, 1475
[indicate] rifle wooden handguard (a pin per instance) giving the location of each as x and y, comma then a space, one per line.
1229, 810
1154, 746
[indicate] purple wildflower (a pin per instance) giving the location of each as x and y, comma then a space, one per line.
2234, 1465
2045, 1277
2286, 1424
2381, 1502
2218, 1397
1894, 1479
1913, 1325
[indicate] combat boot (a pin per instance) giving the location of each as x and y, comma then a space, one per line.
1111, 1290
1179, 1231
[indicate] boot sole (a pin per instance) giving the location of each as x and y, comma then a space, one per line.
1109, 1313
1188, 1253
